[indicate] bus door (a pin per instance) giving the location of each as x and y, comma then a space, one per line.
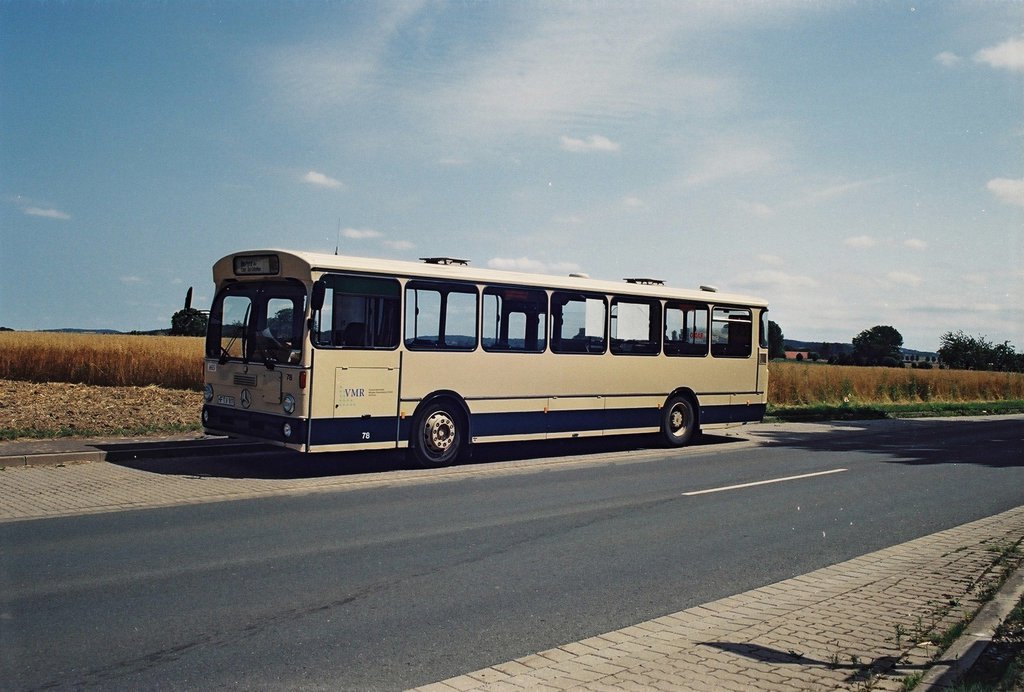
357, 365
366, 402
735, 348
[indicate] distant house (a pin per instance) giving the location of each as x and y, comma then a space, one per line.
916, 357
798, 355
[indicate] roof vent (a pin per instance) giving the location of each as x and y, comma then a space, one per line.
645, 282
709, 289
445, 260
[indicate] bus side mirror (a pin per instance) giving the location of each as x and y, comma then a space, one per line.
319, 291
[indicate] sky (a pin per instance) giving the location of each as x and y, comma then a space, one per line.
853, 163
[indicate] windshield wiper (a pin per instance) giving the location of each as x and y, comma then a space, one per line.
269, 360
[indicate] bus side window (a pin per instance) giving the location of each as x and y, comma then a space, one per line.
578, 323
686, 329
358, 312
635, 326
440, 316
732, 333
514, 319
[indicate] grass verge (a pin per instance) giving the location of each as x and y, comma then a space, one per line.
823, 412
77, 432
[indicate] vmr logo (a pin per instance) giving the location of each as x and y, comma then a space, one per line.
354, 392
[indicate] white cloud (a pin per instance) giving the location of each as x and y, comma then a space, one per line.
730, 159
861, 241
322, 180
915, 244
398, 244
948, 59
1008, 55
527, 264
773, 260
1007, 191
131, 280
592, 143
774, 281
904, 278
841, 189
632, 202
574, 63
758, 209
360, 233
311, 79
47, 213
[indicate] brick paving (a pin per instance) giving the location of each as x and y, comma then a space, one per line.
863, 624
74, 487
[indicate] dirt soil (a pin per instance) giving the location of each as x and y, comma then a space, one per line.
56, 408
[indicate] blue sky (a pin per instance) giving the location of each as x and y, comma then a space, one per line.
854, 163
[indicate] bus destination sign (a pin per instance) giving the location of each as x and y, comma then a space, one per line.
256, 265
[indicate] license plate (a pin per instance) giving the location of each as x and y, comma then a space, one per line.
226, 400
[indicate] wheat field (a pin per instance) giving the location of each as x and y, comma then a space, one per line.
110, 360
804, 384
177, 363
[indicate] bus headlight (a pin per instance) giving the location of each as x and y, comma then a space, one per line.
288, 404
206, 416
208, 392
287, 430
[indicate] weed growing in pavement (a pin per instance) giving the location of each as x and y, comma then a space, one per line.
901, 632
945, 640
911, 681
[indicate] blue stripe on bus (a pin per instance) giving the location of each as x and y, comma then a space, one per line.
337, 431
733, 413
325, 431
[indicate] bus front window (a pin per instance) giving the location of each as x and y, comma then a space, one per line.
258, 321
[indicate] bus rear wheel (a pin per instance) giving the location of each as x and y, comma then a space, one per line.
437, 435
679, 422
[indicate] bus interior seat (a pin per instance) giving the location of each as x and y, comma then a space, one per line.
354, 334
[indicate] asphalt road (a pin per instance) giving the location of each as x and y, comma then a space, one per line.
391, 587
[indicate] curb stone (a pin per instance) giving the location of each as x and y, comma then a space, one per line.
962, 654
64, 451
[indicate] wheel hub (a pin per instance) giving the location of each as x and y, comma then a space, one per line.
440, 432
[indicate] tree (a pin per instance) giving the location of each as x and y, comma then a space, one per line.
776, 341
188, 322
879, 343
964, 352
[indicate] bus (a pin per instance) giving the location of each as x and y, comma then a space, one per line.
322, 353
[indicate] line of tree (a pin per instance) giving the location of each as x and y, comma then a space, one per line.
882, 345
961, 351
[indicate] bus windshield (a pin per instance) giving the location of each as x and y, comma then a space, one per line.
259, 321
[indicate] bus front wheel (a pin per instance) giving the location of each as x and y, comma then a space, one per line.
438, 435
679, 422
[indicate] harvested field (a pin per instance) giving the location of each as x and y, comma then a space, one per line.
29, 409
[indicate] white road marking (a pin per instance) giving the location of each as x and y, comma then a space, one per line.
751, 485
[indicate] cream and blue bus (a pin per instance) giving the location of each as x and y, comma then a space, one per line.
319, 352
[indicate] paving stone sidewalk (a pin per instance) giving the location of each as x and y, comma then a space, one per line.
864, 624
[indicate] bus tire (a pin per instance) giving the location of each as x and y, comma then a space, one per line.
678, 422
438, 433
